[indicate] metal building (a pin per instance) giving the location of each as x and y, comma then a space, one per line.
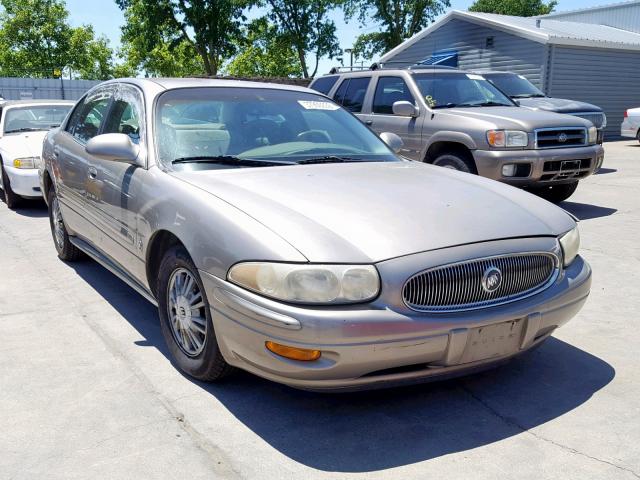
625, 15
13, 88
590, 62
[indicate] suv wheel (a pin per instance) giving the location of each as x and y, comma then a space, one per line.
10, 198
638, 135
455, 161
67, 251
556, 193
185, 318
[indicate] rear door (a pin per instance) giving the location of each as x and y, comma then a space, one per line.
380, 118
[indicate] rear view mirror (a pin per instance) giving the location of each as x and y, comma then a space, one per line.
117, 147
403, 108
394, 142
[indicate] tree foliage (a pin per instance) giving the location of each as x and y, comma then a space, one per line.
36, 40
520, 8
398, 20
307, 27
264, 52
156, 30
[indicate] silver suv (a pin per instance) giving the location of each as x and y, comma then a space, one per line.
459, 120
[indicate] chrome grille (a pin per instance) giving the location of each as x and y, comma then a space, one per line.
561, 137
597, 118
458, 286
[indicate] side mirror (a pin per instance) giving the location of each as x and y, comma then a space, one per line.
117, 147
394, 142
403, 108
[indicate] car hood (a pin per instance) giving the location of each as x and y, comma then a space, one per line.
559, 105
27, 144
369, 212
516, 118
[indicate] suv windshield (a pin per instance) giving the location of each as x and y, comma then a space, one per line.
516, 86
42, 117
448, 90
244, 127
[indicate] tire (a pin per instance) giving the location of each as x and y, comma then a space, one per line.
455, 161
179, 304
638, 135
67, 251
10, 198
557, 193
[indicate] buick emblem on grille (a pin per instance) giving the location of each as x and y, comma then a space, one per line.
562, 137
491, 279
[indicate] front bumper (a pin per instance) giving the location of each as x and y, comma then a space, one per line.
24, 182
380, 344
629, 128
546, 165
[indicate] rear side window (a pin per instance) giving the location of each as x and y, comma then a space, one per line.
339, 95
354, 94
388, 91
324, 84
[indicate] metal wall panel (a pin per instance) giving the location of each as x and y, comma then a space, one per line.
43, 88
624, 16
509, 52
607, 78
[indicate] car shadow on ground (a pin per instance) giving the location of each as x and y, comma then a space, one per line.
586, 211
370, 431
32, 208
604, 171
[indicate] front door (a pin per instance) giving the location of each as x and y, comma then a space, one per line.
391, 89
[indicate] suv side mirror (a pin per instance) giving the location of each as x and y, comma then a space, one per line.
117, 147
403, 108
394, 142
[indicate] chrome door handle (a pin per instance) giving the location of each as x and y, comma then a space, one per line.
93, 173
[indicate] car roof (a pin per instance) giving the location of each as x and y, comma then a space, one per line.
493, 72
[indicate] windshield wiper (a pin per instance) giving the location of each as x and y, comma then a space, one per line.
26, 129
528, 95
326, 159
229, 160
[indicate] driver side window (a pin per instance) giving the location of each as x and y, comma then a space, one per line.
124, 117
87, 119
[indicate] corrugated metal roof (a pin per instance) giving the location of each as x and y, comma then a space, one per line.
624, 15
550, 31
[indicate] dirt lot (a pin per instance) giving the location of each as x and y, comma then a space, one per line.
87, 389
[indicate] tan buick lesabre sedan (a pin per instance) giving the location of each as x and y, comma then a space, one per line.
278, 234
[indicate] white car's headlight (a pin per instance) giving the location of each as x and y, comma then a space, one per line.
593, 134
27, 162
507, 138
570, 243
308, 283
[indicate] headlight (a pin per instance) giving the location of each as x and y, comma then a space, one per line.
604, 120
593, 134
308, 283
507, 138
570, 243
27, 162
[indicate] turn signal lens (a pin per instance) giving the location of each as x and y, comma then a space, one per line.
26, 162
293, 353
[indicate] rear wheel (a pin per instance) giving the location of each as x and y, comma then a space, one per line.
556, 193
10, 198
185, 318
455, 161
67, 251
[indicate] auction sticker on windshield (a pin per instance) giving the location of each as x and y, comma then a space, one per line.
472, 76
316, 105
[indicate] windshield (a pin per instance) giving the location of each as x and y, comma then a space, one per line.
42, 117
448, 90
515, 86
221, 127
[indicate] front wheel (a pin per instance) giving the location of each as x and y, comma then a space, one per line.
455, 161
185, 318
556, 193
10, 198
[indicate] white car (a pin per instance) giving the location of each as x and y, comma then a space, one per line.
23, 126
631, 124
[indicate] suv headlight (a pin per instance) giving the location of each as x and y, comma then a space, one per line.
570, 243
308, 283
593, 134
507, 138
27, 162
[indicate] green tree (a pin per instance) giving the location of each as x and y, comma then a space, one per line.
520, 8
36, 40
156, 30
264, 53
398, 21
306, 26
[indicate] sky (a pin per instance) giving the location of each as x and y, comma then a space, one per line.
106, 19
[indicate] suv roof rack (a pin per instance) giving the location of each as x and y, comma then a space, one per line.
354, 68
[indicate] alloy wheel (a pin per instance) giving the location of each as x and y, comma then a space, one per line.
185, 307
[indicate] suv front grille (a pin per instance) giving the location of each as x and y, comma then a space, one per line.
459, 286
597, 118
561, 137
